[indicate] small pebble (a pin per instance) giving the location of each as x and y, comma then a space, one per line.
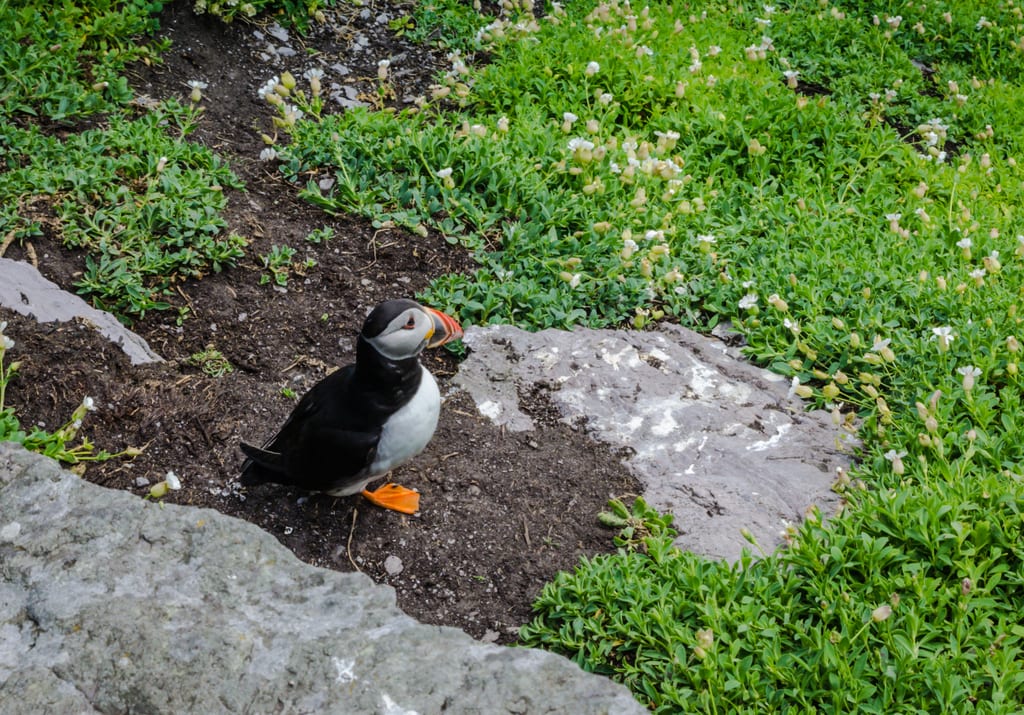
141, 482
393, 565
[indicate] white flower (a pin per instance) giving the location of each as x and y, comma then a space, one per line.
444, 173
880, 344
964, 243
748, 301
968, 372
173, 483
592, 69
89, 404
6, 343
268, 154
268, 87
578, 143
313, 72
705, 238
605, 98
569, 117
654, 235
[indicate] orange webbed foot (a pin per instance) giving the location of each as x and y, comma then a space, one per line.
394, 497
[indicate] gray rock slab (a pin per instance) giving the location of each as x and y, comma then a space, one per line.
715, 440
111, 604
24, 290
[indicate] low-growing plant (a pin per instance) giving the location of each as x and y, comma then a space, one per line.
211, 361
278, 263
294, 13
320, 235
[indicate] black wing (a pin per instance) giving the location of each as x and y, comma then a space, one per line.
319, 447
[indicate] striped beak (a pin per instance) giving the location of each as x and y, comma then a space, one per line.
446, 328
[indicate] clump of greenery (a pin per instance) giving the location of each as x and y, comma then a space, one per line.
910, 604
280, 264
211, 361
297, 13
839, 181
320, 235
143, 203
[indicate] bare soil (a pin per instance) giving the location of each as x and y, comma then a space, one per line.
501, 513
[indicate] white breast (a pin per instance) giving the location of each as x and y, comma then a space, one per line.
409, 430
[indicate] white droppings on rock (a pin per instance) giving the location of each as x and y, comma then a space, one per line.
346, 670
490, 409
665, 426
393, 708
774, 440
10, 531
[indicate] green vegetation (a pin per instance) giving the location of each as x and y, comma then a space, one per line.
320, 235
140, 200
841, 182
212, 362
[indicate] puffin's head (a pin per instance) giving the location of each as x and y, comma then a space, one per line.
400, 329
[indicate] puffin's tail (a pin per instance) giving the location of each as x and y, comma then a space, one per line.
260, 466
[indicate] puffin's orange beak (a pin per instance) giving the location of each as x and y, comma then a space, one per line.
446, 328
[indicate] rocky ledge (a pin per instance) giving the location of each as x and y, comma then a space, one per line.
110, 604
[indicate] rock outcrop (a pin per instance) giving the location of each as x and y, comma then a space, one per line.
716, 441
24, 290
110, 604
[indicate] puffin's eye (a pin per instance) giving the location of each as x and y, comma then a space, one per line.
410, 323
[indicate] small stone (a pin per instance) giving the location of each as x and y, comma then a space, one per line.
393, 565
473, 490
489, 636
141, 482
278, 33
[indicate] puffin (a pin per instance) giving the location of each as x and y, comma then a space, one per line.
365, 419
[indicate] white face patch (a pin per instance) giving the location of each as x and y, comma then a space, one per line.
405, 336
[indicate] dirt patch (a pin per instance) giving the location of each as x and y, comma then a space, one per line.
501, 513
